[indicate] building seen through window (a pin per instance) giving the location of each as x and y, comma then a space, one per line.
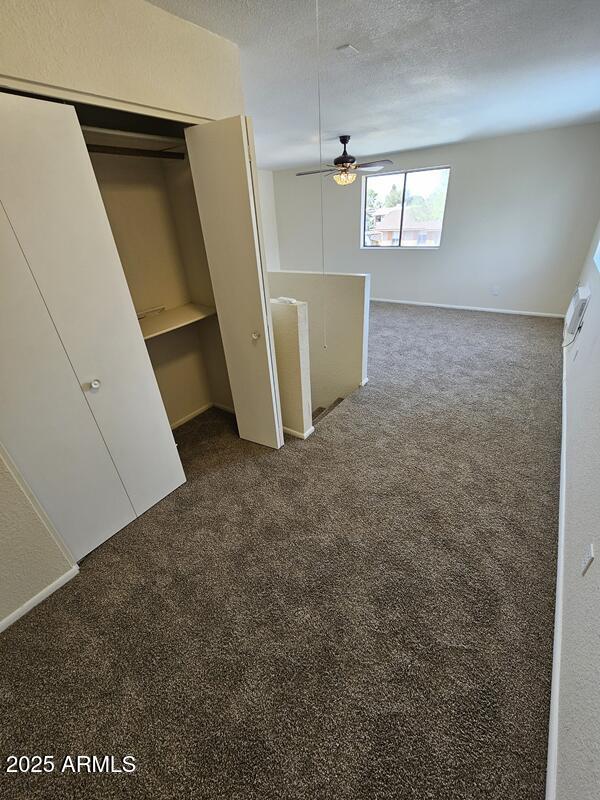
405, 209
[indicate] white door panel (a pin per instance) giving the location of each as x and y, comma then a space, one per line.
51, 196
45, 422
220, 154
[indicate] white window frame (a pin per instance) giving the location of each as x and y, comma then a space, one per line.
363, 208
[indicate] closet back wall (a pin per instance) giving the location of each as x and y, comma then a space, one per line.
151, 207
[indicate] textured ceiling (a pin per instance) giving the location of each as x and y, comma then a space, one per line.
427, 71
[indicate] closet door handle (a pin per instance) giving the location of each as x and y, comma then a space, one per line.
255, 336
95, 385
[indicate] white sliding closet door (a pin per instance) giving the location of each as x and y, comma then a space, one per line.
45, 423
52, 200
221, 160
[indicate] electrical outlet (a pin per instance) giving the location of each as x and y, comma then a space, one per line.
495, 289
588, 557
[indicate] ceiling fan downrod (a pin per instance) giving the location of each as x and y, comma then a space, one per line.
345, 160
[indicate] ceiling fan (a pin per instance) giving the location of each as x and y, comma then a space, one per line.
344, 167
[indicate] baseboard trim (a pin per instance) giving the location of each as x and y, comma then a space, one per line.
297, 434
199, 411
188, 417
552, 762
469, 308
36, 599
224, 408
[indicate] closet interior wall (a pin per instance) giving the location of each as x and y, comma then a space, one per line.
151, 207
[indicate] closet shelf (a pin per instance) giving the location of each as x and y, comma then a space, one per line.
174, 318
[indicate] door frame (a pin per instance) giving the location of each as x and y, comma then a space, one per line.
148, 115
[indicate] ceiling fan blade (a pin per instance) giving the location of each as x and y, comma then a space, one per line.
315, 172
374, 166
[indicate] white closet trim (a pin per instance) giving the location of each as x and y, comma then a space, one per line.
62, 93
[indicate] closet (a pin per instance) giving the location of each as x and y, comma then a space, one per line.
134, 300
150, 204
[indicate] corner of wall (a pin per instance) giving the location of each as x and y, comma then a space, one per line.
574, 728
36, 562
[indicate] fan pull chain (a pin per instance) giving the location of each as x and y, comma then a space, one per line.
321, 178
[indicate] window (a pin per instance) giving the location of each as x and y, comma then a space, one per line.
404, 209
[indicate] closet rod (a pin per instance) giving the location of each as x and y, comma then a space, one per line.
133, 151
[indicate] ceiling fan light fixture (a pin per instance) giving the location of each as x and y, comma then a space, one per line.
344, 178
344, 165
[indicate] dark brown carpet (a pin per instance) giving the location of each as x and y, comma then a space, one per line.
361, 616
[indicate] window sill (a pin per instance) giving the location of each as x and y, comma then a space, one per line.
396, 249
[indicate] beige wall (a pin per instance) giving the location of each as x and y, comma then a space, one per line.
118, 53
575, 725
31, 557
520, 214
290, 334
126, 51
338, 315
268, 219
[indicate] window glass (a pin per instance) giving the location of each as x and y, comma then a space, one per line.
405, 209
424, 203
383, 209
